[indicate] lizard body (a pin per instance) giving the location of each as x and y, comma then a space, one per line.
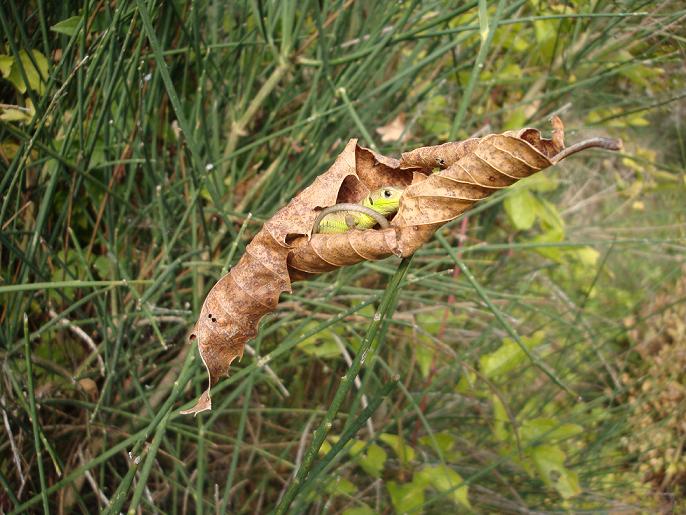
371, 211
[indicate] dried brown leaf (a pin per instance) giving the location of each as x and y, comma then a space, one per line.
285, 250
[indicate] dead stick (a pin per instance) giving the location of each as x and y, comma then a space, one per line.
606, 143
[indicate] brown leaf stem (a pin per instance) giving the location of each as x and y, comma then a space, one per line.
606, 143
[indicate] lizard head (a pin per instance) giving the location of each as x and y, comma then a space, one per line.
385, 201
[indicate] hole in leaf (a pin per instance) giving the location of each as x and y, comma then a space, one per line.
352, 190
291, 237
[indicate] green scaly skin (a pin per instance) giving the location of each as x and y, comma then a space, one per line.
344, 217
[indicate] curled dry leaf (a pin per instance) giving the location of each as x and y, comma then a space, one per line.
285, 250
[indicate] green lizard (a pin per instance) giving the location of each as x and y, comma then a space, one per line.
371, 211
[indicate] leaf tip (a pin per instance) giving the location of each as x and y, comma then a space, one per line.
204, 404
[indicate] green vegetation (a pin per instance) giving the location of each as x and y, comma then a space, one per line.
143, 143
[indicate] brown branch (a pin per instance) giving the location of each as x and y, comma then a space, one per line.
606, 143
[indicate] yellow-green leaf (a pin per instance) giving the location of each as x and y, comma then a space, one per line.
540, 182
521, 207
549, 461
543, 429
321, 345
8, 149
550, 216
444, 441
425, 356
372, 460
510, 71
359, 510
6, 62
404, 452
515, 118
35, 74
68, 26
445, 480
406, 498
17, 113
341, 486
508, 356
587, 256
467, 383
500, 419
554, 253
325, 448
546, 32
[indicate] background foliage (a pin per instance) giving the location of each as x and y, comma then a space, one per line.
142, 145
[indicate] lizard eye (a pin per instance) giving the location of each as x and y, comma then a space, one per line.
387, 193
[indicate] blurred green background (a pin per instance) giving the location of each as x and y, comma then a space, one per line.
143, 144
